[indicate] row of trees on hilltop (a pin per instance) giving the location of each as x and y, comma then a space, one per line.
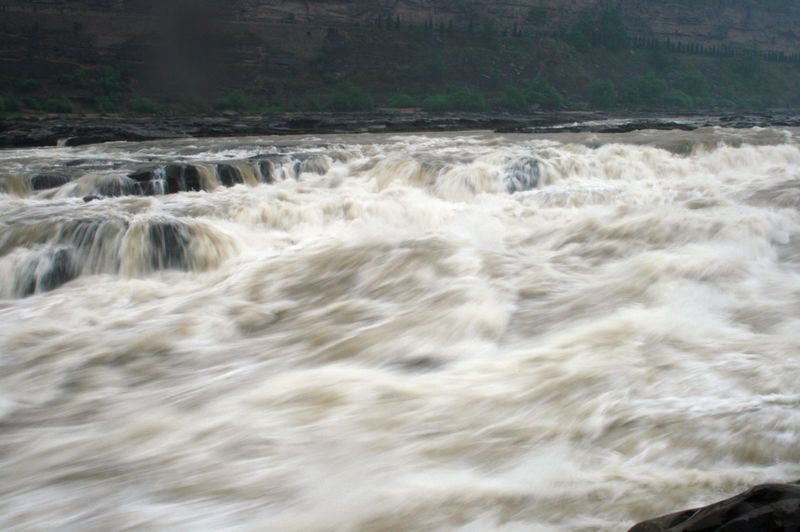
605, 28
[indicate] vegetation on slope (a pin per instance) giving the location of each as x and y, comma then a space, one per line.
438, 68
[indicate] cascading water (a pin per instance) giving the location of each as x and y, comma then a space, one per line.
416, 332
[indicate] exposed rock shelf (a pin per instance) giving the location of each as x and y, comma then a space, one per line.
77, 131
770, 507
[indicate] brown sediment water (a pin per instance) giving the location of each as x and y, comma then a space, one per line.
462, 331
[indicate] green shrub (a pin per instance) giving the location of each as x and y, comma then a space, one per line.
647, 89
52, 105
462, 99
34, 104
541, 93
437, 103
108, 104
108, 80
513, 100
535, 94
303, 103
232, 101
58, 105
27, 85
465, 99
601, 94
401, 100
347, 97
693, 83
9, 105
144, 105
678, 99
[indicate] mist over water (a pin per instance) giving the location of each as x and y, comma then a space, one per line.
421, 332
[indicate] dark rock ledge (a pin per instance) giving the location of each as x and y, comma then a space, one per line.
765, 508
90, 129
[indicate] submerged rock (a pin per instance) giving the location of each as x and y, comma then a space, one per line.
169, 246
182, 178
60, 269
274, 168
521, 174
46, 182
229, 175
169, 179
113, 186
770, 507
53, 268
266, 169
313, 164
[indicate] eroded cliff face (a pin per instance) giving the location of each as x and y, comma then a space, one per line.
196, 42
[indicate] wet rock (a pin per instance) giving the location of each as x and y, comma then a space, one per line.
149, 182
85, 140
83, 130
142, 175
60, 269
229, 175
91, 197
169, 179
88, 235
303, 123
770, 507
638, 125
45, 182
267, 171
275, 168
51, 269
113, 186
182, 178
169, 246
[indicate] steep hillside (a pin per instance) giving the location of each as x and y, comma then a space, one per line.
293, 53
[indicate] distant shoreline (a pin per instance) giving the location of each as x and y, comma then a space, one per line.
77, 130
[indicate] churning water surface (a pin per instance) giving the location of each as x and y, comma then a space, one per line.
416, 332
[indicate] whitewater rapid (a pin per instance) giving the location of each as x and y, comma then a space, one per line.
462, 331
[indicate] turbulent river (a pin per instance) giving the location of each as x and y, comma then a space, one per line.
464, 331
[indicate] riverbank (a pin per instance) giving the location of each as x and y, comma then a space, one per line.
77, 130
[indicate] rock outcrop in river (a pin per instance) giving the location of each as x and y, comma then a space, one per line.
766, 508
